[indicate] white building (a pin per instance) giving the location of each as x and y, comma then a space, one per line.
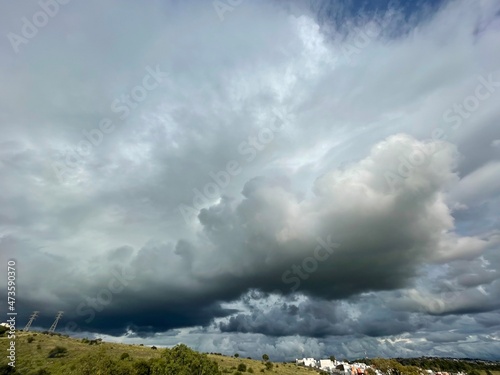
6, 325
308, 362
335, 367
326, 364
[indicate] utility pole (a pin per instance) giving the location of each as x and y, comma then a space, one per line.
53, 326
32, 317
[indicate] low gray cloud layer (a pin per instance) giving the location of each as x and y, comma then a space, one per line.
274, 179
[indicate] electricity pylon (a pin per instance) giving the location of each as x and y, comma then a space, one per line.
54, 325
32, 317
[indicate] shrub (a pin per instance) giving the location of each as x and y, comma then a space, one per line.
154, 347
99, 362
238, 373
57, 352
242, 367
269, 366
30, 339
3, 330
41, 371
265, 357
124, 356
250, 370
142, 368
38, 346
7, 370
183, 360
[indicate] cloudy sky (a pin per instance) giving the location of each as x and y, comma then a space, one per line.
300, 178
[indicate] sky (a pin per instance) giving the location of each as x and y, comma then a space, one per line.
297, 178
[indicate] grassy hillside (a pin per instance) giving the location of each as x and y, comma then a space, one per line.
33, 348
230, 365
34, 355
81, 358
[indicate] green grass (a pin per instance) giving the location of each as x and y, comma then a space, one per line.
231, 363
34, 356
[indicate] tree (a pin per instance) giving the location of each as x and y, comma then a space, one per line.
265, 357
181, 360
236, 355
99, 362
332, 358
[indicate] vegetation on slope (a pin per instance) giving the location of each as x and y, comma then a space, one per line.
44, 354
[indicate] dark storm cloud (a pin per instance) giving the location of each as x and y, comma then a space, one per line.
318, 319
445, 337
351, 219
